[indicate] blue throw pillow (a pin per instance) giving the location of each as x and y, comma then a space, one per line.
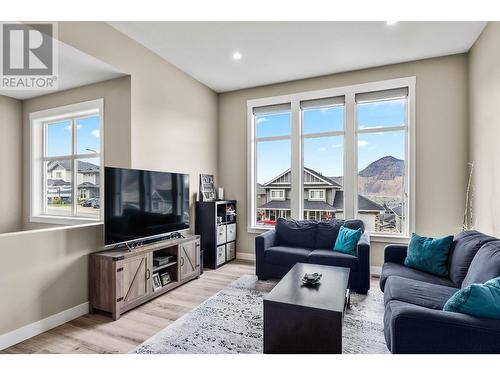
347, 240
429, 254
482, 300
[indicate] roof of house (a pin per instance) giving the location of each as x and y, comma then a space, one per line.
364, 204
88, 185
328, 181
57, 182
260, 189
83, 166
308, 205
398, 210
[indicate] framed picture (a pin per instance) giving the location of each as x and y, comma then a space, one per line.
207, 188
165, 278
156, 282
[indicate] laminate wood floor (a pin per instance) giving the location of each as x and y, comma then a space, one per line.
98, 333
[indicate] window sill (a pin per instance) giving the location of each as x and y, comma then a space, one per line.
45, 219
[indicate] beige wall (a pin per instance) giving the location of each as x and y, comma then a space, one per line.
10, 164
43, 272
117, 125
441, 140
484, 100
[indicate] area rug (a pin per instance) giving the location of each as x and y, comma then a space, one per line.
230, 322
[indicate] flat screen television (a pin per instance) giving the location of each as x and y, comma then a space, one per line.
142, 205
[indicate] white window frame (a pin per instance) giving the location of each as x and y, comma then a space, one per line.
38, 189
322, 191
350, 149
281, 192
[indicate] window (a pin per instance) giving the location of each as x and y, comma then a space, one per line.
66, 164
278, 194
336, 153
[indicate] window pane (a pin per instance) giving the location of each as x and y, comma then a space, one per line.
381, 181
381, 114
320, 120
323, 177
59, 195
88, 135
273, 171
88, 184
59, 138
273, 125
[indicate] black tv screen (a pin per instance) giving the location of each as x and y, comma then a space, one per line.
140, 204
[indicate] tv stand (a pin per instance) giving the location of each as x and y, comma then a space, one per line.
120, 279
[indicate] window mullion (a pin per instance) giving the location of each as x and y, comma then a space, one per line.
297, 162
350, 158
74, 167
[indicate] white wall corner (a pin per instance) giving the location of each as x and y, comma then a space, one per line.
375, 271
14, 337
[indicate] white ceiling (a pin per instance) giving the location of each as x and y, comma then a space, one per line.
284, 51
75, 69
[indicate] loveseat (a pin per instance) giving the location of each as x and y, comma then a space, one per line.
414, 320
307, 241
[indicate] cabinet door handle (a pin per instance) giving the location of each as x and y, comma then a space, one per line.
148, 274
182, 261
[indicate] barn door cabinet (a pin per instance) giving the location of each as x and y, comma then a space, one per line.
120, 280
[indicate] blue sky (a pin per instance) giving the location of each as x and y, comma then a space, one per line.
59, 136
325, 154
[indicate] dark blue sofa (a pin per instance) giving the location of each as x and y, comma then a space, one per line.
305, 241
414, 320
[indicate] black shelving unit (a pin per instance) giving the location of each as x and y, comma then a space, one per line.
216, 224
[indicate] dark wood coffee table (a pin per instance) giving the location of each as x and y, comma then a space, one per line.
300, 319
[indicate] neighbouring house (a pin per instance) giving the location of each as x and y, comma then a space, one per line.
323, 200
59, 180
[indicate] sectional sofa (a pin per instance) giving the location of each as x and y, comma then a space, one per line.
307, 241
414, 320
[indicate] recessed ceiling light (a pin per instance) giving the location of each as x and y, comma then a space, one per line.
390, 23
237, 56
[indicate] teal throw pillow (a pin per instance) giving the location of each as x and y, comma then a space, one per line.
429, 254
482, 300
347, 240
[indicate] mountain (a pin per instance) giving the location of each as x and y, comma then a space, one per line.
386, 168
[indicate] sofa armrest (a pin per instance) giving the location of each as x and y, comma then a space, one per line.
363, 254
416, 329
262, 242
395, 253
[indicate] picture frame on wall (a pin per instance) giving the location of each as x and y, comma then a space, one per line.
156, 282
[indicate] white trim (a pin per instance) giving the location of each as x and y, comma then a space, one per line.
64, 220
282, 196
245, 256
323, 191
375, 271
16, 336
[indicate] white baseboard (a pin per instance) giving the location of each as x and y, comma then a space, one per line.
33, 329
376, 271
245, 256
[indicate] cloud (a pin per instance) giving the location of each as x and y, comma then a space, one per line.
362, 143
322, 149
96, 133
262, 119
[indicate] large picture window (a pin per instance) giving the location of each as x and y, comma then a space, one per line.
66, 163
340, 153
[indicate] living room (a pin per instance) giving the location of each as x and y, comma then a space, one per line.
210, 188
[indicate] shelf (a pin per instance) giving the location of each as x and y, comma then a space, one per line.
164, 266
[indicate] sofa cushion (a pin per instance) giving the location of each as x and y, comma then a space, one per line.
485, 265
286, 256
397, 269
347, 240
417, 292
328, 257
429, 254
465, 246
481, 300
296, 233
328, 230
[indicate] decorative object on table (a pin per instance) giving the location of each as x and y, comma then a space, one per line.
156, 281
220, 193
207, 189
165, 278
467, 223
311, 278
230, 213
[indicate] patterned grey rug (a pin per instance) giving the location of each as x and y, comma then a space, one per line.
230, 322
